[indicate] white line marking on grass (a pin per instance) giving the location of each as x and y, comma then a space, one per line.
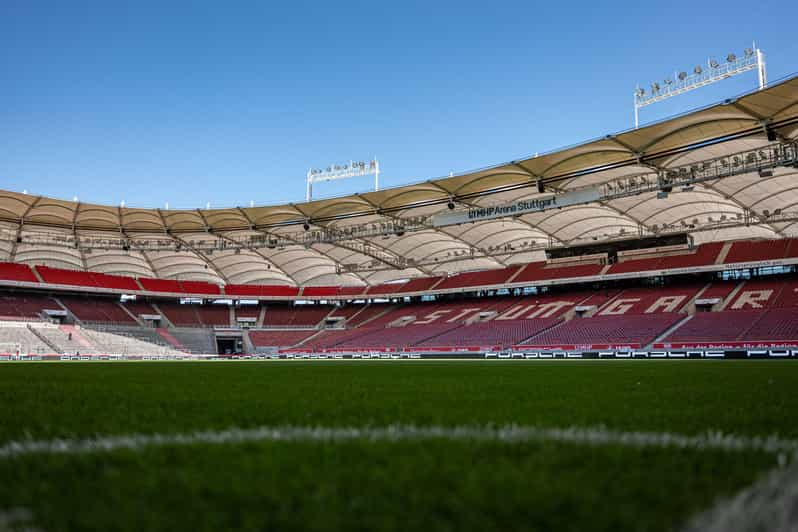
17, 520
770, 504
594, 436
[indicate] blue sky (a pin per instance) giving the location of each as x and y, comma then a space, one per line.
232, 102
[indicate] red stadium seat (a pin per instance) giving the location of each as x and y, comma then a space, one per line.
704, 255
369, 313
377, 337
261, 338
753, 251
316, 291
386, 288
261, 290
138, 308
160, 285
351, 290
181, 315
11, 271
60, 276
295, 315
491, 333
651, 300
25, 307
539, 271
713, 326
96, 309
638, 329
214, 315
248, 311
420, 284
481, 278
118, 282
199, 287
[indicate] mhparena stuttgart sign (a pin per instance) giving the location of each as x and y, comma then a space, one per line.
516, 208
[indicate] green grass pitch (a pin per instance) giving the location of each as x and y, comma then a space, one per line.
363, 485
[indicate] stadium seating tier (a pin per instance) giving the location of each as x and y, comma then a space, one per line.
12, 271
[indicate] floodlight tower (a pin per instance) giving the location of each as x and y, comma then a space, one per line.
335, 172
753, 58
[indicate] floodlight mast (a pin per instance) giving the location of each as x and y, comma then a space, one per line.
714, 71
336, 172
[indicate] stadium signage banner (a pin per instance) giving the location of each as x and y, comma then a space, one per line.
727, 345
517, 208
576, 347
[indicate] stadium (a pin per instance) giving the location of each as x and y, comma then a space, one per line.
670, 240
598, 337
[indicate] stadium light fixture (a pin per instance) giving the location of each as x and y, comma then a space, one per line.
343, 171
714, 71
763, 160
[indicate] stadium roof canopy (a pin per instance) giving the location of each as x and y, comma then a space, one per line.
732, 126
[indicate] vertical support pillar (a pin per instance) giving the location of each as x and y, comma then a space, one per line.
761, 70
